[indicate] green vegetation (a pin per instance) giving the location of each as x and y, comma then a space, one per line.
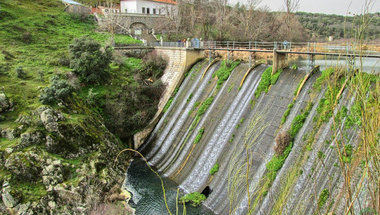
34, 36
347, 153
59, 90
299, 121
287, 112
267, 79
205, 106
274, 78
199, 136
294, 67
88, 61
195, 198
224, 71
338, 26
214, 169
323, 197
170, 101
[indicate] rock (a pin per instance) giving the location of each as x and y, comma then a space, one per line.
24, 165
8, 199
31, 138
5, 103
52, 173
24, 119
10, 134
52, 205
22, 209
50, 119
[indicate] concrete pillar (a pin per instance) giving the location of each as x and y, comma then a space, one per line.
279, 61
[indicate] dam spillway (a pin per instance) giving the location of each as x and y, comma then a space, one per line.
230, 125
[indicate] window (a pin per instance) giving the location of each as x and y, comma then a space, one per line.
143, 10
148, 10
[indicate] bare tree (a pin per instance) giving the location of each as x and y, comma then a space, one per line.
291, 5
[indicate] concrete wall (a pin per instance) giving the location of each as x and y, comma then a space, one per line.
180, 60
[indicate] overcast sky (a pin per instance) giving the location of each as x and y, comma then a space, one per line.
323, 6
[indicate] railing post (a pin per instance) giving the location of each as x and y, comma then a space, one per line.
308, 47
249, 46
233, 45
228, 51
255, 44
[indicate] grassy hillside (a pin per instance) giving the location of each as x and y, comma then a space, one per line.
61, 157
35, 35
338, 26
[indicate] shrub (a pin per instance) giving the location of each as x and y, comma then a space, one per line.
89, 60
4, 68
153, 66
195, 198
20, 73
282, 141
59, 90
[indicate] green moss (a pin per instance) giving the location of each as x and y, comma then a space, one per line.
287, 112
195, 198
267, 79
299, 120
199, 136
274, 78
224, 71
322, 79
30, 192
323, 197
214, 169
170, 101
205, 106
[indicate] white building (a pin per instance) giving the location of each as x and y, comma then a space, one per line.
153, 7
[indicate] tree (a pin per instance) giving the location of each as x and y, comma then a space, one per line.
89, 61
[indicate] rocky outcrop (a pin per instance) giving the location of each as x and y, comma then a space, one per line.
56, 164
5, 103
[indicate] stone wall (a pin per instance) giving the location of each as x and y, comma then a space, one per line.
180, 60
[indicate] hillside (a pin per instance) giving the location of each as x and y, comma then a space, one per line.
60, 136
323, 25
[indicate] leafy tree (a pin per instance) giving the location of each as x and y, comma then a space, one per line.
89, 60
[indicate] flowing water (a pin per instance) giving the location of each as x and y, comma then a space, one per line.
237, 132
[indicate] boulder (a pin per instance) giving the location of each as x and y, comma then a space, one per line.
50, 119
7, 198
31, 138
24, 165
5, 103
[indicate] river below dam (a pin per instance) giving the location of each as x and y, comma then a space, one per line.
148, 197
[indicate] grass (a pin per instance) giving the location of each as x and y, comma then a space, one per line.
35, 35
203, 108
195, 198
267, 79
214, 169
224, 71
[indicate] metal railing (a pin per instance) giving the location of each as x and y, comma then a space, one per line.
288, 47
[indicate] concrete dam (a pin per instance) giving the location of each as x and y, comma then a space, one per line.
257, 142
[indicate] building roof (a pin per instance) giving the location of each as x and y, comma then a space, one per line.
162, 1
